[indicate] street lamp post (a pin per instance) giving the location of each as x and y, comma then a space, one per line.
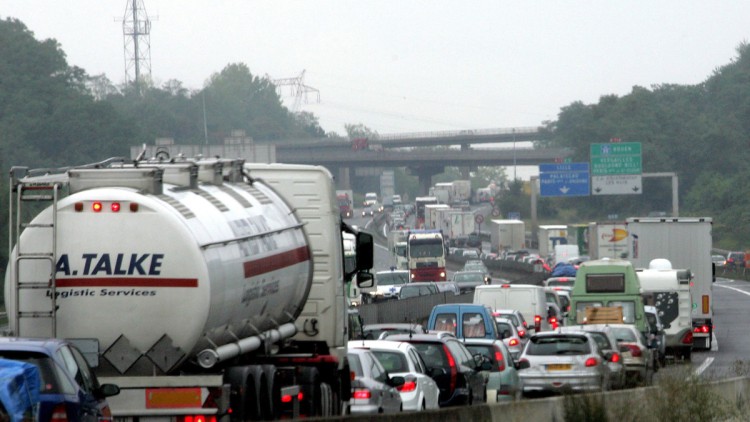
515, 177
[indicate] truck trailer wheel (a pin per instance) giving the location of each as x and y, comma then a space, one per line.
242, 396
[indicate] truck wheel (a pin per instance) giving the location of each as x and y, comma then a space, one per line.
242, 396
326, 400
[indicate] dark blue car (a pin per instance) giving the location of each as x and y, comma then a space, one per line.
69, 389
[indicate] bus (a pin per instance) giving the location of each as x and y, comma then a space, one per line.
421, 201
607, 283
426, 255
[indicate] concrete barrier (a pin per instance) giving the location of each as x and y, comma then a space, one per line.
734, 391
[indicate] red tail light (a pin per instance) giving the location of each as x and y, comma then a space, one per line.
513, 342
687, 338
635, 350
702, 329
59, 414
615, 358
591, 362
525, 324
198, 418
500, 360
553, 320
452, 364
361, 393
409, 385
505, 286
522, 333
537, 319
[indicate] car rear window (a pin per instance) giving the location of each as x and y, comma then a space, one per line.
392, 361
53, 380
558, 345
486, 350
624, 334
512, 318
504, 330
602, 340
433, 354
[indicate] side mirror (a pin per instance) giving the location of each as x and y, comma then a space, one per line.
523, 364
365, 280
365, 251
108, 390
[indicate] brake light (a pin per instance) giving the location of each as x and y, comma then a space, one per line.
96, 206
361, 393
702, 329
287, 398
634, 350
615, 358
115, 207
525, 324
408, 386
687, 338
452, 364
59, 414
591, 362
513, 342
537, 319
522, 333
199, 418
499, 359
505, 286
553, 320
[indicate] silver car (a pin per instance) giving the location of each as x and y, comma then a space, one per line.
373, 391
419, 391
637, 356
605, 337
559, 362
508, 333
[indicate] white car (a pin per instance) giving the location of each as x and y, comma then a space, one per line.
388, 284
400, 359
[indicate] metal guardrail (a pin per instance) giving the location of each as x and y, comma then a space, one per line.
451, 133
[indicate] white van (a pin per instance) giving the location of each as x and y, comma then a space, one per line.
669, 291
528, 299
564, 253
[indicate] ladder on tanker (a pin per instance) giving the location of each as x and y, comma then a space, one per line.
35, 310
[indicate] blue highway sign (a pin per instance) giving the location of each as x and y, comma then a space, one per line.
566, 179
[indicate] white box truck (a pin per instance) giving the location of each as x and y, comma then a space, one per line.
507, 235
549, 236
460, 224
214, 289
462, 190
608, 240
686, 243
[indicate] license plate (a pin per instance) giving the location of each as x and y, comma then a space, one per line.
559, 367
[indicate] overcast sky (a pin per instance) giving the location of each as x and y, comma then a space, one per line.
411, 66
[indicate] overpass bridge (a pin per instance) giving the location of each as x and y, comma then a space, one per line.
425, 154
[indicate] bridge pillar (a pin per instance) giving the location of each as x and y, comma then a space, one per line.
343, 180
425, 177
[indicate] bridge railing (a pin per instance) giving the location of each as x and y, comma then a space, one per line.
450, 133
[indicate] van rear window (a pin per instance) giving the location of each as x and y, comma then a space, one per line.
605, 283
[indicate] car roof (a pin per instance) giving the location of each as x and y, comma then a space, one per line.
433, 337
45, 345
392, 271
380, 344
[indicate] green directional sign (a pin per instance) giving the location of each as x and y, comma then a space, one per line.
616, 158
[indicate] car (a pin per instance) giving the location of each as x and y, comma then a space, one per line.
559, 362
735, 261
373, 391
419, 391
474, 240
475, 265
718, 260
560, 282
518, 320
468, 280
69, 389
388, 283
605, 337
368, 210
416, 289
656, 336
508, 333
455, 370
636, 355
449, 287
380, 331
502, 382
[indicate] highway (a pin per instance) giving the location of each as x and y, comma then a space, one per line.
726, 359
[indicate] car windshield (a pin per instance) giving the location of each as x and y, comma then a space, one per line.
504, 330
558, 345
388, 279
513, 318
426, 248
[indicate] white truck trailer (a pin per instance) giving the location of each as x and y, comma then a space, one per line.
214, 290
462, 190
460, 224
549, 236
608, 239
507, 235
686, 243
444, 192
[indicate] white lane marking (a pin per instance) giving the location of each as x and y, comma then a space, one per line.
735, 289
385, 248
706, 363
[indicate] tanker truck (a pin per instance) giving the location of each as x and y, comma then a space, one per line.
206, 290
